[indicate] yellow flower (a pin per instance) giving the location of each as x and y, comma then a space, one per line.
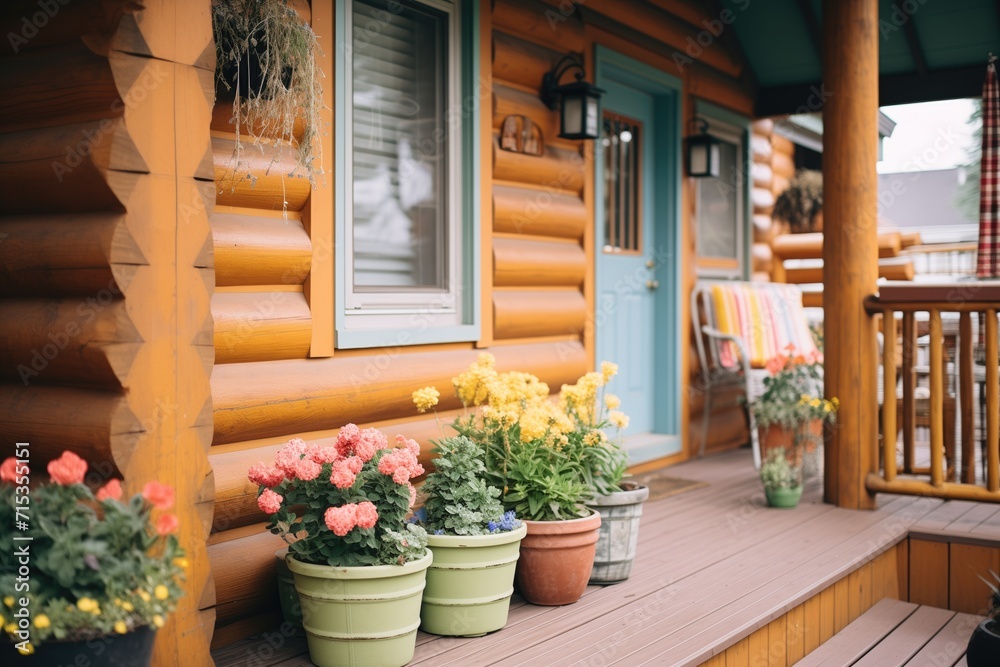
10, 628
181, 562
158, 621
9, 600
425, 398
608, 370
120, 627
144, 595
127, 606
618, 418
25, 649
87, 604
161, 592
612, 402
42, 621
815, 403
594, 438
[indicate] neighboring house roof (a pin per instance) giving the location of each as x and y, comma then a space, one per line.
928, 50
924, 201
806, 129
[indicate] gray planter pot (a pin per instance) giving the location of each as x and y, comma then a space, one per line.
619, 534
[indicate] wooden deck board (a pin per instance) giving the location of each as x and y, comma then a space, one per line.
908, 639
714, 566
851, 643
948, 645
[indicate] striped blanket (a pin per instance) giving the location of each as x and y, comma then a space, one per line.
767, 316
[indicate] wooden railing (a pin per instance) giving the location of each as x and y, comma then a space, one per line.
953, 326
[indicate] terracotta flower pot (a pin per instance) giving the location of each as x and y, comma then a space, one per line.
557, 558
803, 438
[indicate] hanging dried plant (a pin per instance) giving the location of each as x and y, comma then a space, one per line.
801, 202
267, 60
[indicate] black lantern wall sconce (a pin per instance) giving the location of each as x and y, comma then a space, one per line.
702, 152
580, 101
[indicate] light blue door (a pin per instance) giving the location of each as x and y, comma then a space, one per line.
637, 165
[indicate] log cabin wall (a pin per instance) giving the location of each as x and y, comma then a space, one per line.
277, 375
106, 258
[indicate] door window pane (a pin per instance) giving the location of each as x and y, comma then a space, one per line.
621, 145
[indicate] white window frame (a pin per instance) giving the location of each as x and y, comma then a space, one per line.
709, 266
384, 309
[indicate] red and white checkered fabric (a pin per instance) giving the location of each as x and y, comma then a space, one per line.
988, 261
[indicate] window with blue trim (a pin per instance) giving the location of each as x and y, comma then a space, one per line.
406, 264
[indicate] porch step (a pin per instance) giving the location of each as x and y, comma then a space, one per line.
898, 634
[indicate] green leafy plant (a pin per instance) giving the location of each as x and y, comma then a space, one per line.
777, 472
344, 505
266, 58
548, 458
791, 394
98, 565
459, 500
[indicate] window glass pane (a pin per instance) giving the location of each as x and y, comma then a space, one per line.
620, 142
719, 200
400, 56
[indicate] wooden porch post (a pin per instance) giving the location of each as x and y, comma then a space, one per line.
850, 248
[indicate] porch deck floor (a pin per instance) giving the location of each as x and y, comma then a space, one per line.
714, 565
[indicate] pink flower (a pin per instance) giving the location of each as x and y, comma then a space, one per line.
307, 469
409, 444
8, 470
401, 465
342, 477
288, 457
67, 469
264, 475
269, 502
354, 464
413, 494
167, 524
323, 455
401, 475
346, 439
110, 491
370, 441
342, 519
367, 515
160, 495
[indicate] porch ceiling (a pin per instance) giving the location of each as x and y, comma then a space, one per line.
928, 49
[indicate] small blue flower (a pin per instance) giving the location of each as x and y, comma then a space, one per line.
492, 526
439, 531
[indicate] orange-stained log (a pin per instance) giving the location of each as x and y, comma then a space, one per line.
521, 62
260, 326
509, 101
73, 21
79, 254
76, 341
541, 23
99, 426
271, 399
524, 314
545, 212
244, 575
275, 181
253, 250
526, 262
40, 92
557, 168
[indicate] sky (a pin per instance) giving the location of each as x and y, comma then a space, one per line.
931, 135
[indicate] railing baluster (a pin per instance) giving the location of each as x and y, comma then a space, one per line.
909, 384
889, 394
965, 377
992, 403
937, 399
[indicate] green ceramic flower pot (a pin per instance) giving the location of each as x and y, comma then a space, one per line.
783, 496
360, 615
470, 583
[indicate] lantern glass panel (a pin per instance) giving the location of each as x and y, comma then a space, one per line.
572, 115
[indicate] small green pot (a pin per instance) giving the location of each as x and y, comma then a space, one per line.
365, 615
783, 496
470, 583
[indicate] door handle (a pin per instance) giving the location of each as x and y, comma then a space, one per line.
652, 284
